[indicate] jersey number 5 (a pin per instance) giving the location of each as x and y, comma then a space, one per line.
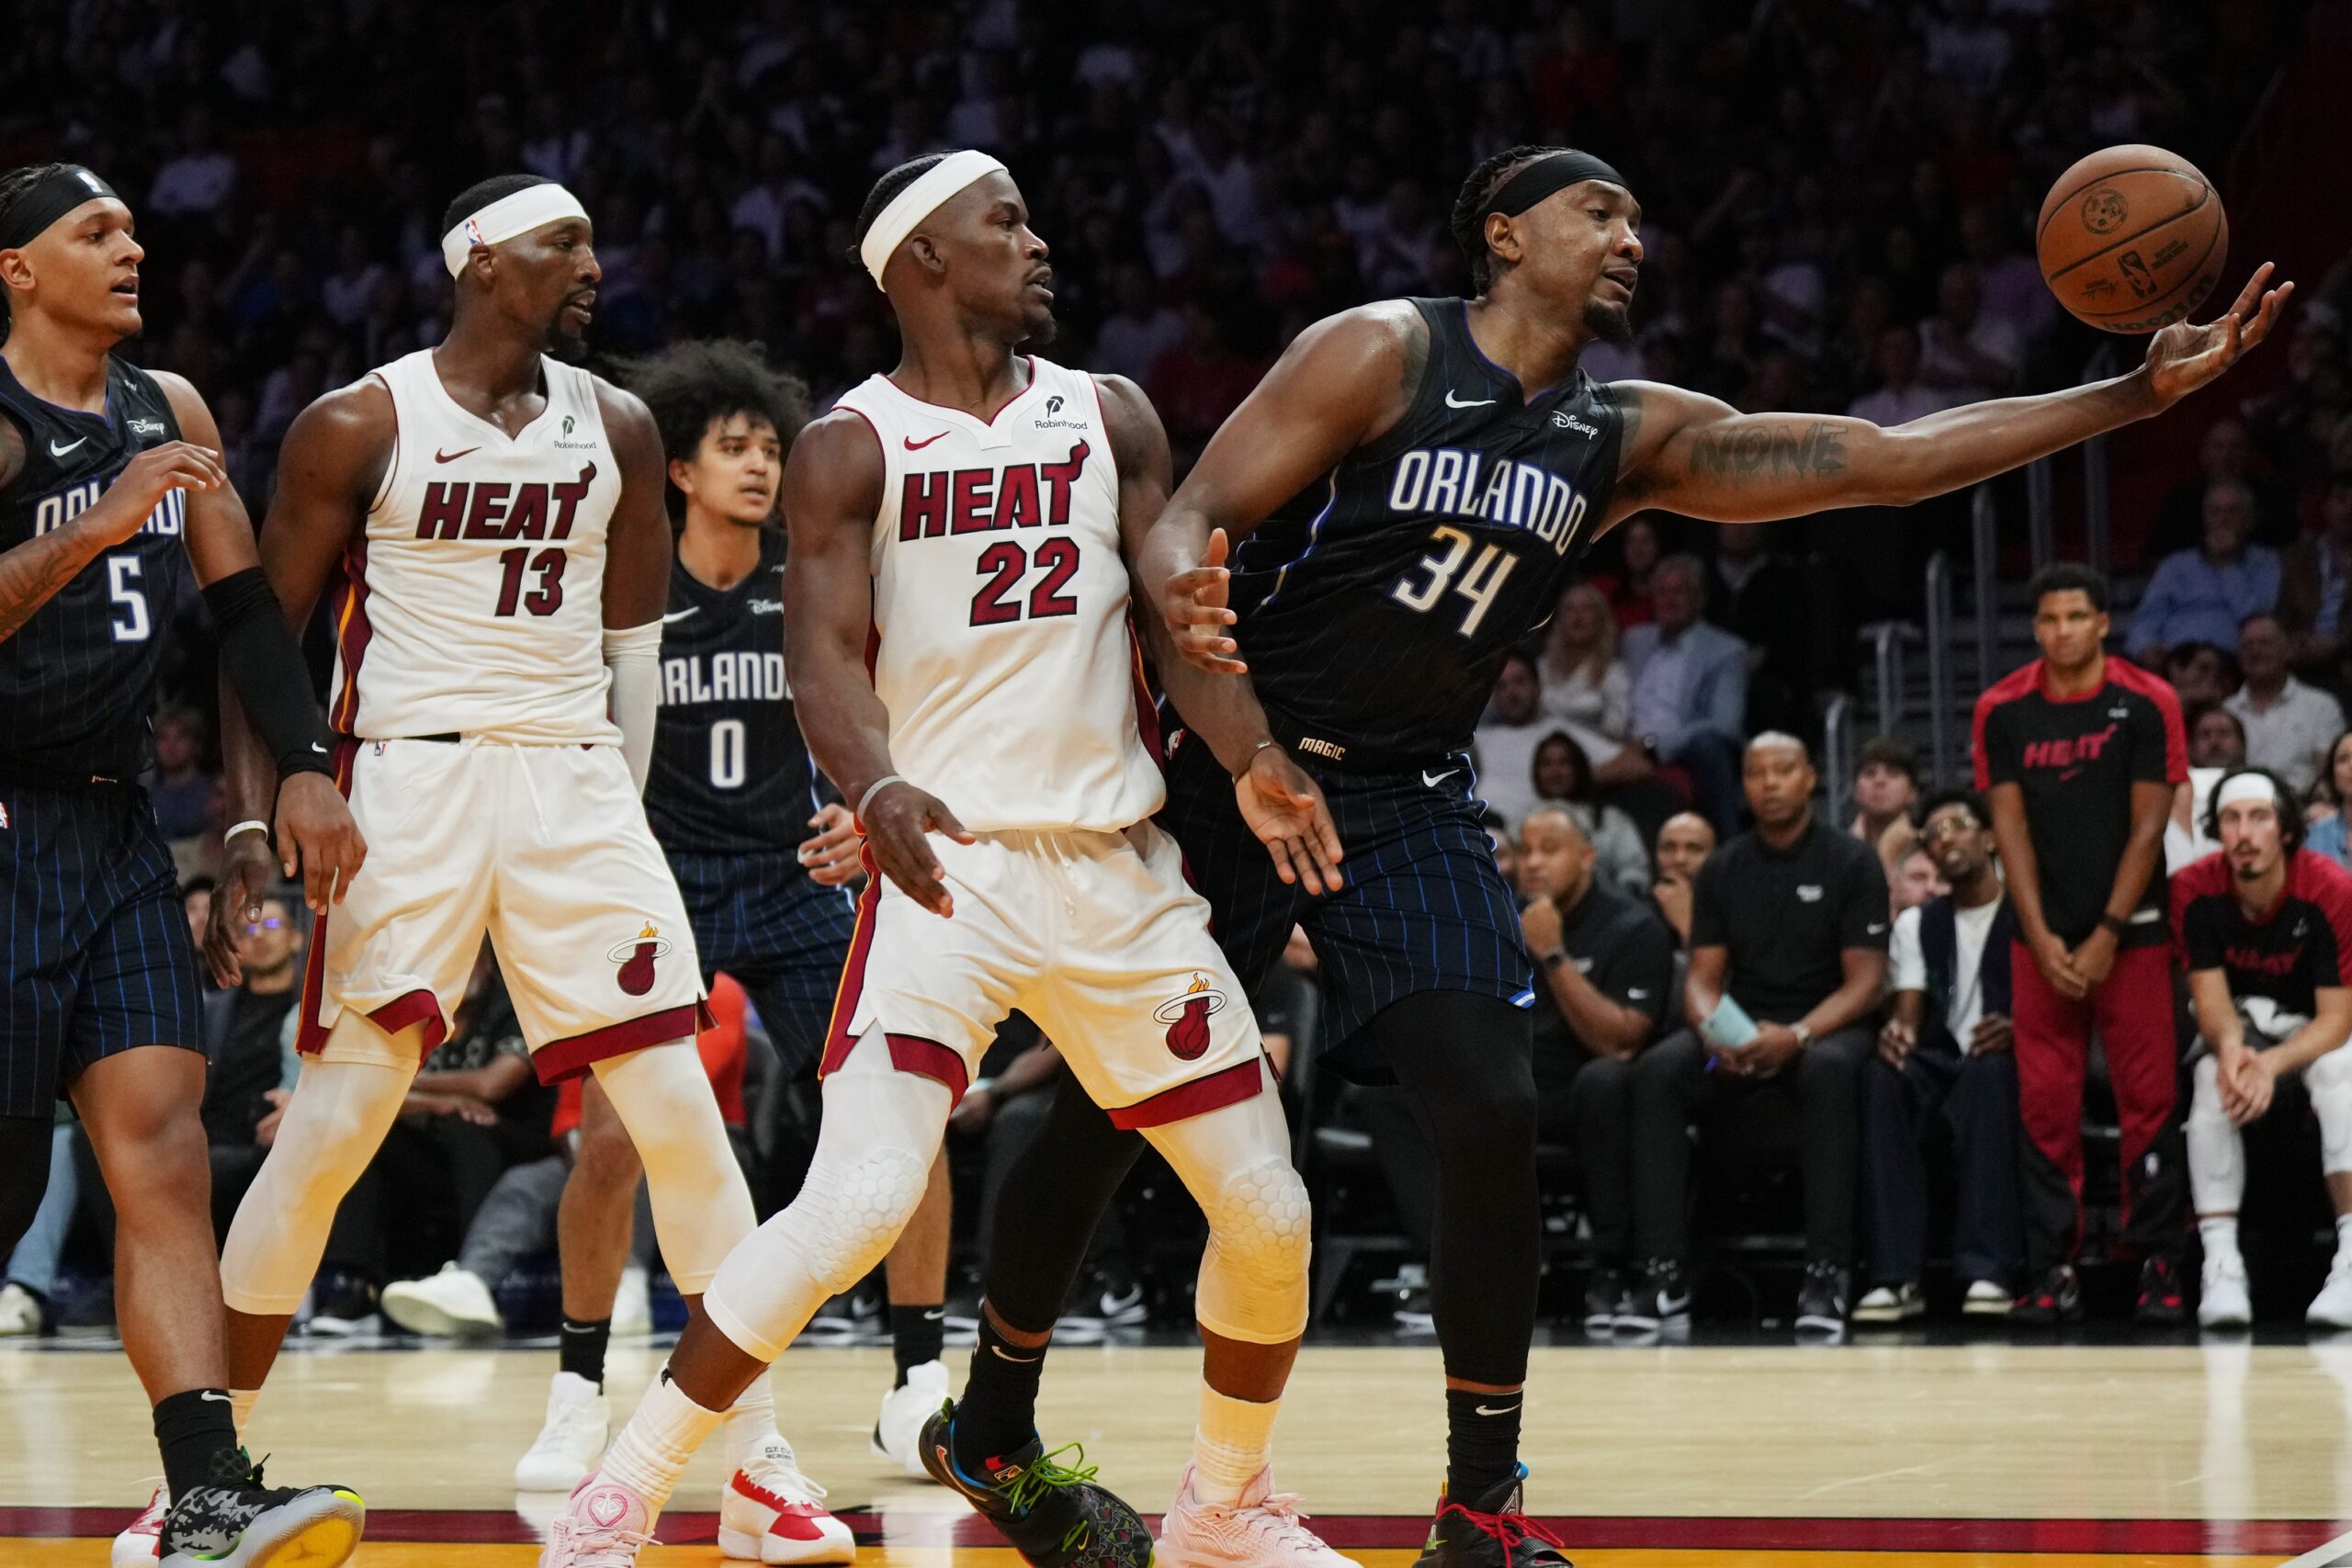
1479, 584
1005, 563
542, 600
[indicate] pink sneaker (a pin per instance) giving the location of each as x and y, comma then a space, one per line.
142, 1544
1265, 1529
602, 1524
769, 1512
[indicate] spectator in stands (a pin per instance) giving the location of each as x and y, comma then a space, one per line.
2200, 673
2329, 805
196, 903
1788, 953
1504, 744
1916, 879
1762, 597
1689, 689
2216, 737
1886, 787
1965, 354
2216, 744
2264, 928
1605, 967
246, 1074
2316, 585
2225, 455
1944, 1055
1684, 843
1584, 681
2081, 756
2287, 725
1901, 396
186, 797
1562, 775
1506, 846
2205, 594
1639, 549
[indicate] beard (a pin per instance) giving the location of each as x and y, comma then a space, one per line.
1042, 328
570, 348
1609, 323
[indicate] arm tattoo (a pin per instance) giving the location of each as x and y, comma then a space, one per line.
32, 574
1417, 358
1773, 451
1633, 484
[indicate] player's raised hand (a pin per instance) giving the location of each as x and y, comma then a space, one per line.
318, 839
246, 869
1286, 810
898, 820
1195, 603
832, 852
2182, 357
123, 509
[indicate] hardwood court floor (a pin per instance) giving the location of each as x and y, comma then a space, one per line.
1957, 1457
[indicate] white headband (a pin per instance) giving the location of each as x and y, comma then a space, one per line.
507, 217
919, 201
2245, 786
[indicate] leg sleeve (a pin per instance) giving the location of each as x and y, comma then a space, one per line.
1051, 1197
702, 1205
1236, 1162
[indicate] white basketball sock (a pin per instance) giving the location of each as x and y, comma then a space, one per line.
653, 1450
1231, 1446
751, 1420
2220, 1234
2343, 1241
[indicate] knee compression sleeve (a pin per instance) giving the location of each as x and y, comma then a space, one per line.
880, 1133
332, 1128
2328, 1081
24, 1176
1236, 1163
2216, 1149
702, 1206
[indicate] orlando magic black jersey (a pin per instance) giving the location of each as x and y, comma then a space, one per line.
1376, 606
730, 773
78, 678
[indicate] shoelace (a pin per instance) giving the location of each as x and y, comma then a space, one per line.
794, 1485
592, 1547
1043, 1476
1507, 1529
1281, 1512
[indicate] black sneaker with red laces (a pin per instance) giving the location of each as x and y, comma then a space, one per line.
2161, 1300
2057, 1299
1491, 1534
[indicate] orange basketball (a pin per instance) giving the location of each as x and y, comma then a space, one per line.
2132, 238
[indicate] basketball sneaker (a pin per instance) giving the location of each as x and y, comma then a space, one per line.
141, 1541
769, 1512
1053, 1514
2161, 1299
1985, 1298
1493, 1534
2332, 1308
21, 1311
2057, 1299
248, 1525
1898, 1304
1662, 1302
1266, 1529
898, 1431
343, 1306
602, 1524
452, 1303
2222, 1299
1606, 1294
572, 1440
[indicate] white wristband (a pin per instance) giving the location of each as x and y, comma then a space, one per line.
249, 823
871, 791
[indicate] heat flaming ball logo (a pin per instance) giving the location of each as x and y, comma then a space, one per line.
636, 958
1187, 1017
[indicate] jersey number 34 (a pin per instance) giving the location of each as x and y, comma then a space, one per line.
1479, 584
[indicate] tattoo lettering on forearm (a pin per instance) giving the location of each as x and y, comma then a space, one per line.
1771, 451
31, 575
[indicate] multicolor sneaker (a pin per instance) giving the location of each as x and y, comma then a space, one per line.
2058, 1299
2162, 1300
602, 1524
1053, 1514
769, 1512
1492, 1534
1266, 1529
142, 1542
248, 1525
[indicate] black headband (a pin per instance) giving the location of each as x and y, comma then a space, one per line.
1553, 171
46, 201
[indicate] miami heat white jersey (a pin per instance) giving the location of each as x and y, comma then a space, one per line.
475, 595
1000, 603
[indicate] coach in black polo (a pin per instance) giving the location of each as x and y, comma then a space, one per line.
1788, 930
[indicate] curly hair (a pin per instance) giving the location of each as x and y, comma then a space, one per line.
702, 383
1471, 206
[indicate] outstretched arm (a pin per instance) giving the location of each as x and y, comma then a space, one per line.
833, 489
1700, 457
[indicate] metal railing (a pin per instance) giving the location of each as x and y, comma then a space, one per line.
1985, 546
1939, 690
1886, 639
1837, 754
2096, 552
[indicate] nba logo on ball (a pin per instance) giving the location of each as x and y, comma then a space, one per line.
636, 958
1187, 1017
2104, 210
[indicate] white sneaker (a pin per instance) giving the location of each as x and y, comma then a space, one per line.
2332, 1308
19, 1312
898, 1431
141, 1544
769, 1512
603, 1525
1986, 1297
1896, 1303
2223, 1301
573, 1441
1265, 1529
633, 1304
454, 1302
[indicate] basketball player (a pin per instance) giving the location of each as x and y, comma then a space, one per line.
110, 488
965, 518
498, 514
1415, 480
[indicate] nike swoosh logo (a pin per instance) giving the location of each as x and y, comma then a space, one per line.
915, 445
1453, 402
679, 614
441, 457
1874, 929
318, 748
935, 1314
57, 451
1432, 780
1016, 1360
215, 1398
1495, 1410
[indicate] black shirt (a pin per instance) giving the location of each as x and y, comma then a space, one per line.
1787, 917
248, 1062
1628, 954
2303, 946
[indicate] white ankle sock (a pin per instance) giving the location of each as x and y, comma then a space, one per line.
2343, 1240
652, 1449
751, 1420
2220, 1234
241, 1407
1231, 1446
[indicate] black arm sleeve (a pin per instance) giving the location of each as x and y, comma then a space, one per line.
264, 662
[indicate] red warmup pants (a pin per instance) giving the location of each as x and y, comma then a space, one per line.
2133, 1011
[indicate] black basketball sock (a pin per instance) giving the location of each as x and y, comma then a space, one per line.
1481, 1442
582, 1347
998, 1410
918, 1334
198, 1434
